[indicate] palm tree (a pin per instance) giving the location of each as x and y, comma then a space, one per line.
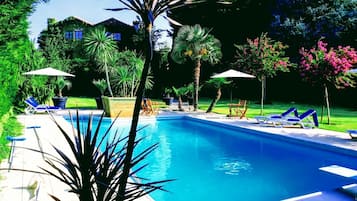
195, 43
101, 47
181, 91
216, 83
148, 10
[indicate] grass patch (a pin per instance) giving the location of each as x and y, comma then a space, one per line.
341, 120
81, 103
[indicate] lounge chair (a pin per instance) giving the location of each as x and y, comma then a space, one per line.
239, 109
35, 107
353, 134
273, 118
302, 120
149, 107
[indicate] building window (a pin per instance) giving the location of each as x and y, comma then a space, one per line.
78, 35
114, 36
117, 36
68, 35
73, 35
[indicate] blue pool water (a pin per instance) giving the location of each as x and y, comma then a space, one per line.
211, 163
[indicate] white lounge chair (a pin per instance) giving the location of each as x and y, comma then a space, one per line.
304, 120
274, 118
34, 106
353, 134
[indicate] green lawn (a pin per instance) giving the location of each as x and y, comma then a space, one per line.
342, 119
81, 103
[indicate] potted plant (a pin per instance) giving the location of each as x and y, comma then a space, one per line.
60, 84
101, 86
167, 96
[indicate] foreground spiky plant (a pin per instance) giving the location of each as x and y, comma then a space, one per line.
94, 173
92, 165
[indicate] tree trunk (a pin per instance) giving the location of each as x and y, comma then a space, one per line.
263, 80
108, 81
132, 87
196, 83
59, 92
215, 100
327, 104
180, 103
132, 133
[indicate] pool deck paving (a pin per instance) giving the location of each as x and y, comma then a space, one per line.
16, 185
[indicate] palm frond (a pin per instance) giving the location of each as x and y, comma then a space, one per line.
172, 21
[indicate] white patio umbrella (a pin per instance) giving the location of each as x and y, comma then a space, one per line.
49, 72
232, 74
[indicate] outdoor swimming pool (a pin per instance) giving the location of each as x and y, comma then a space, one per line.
211, 163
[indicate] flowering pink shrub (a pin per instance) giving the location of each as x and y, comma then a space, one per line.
324, 66
262, 56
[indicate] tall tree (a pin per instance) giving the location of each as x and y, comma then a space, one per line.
328, 67
14, 45
196, 44
303, 22
99, 45
148, 11
262, 57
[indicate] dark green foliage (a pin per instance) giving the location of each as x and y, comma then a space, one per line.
10, 58
94, 174
301, 23
54, 47
13, 19
35, 86
14, 45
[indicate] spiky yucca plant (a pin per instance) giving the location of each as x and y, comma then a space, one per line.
94, 174
93, 167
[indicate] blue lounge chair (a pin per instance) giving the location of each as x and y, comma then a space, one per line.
35, 107
353, 134
303, 120
273, 118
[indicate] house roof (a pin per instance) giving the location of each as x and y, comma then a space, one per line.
112, 21
70, 18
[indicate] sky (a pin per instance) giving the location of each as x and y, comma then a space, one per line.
92, 11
